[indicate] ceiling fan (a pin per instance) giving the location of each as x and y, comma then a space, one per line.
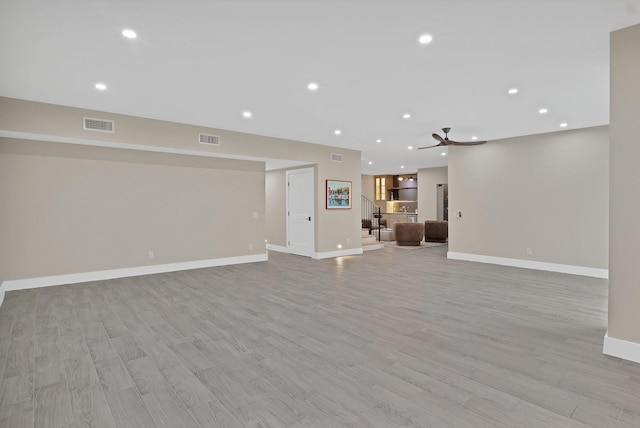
447, 142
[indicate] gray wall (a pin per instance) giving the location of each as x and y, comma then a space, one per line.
546, 192
624, 268
71, 209
276, 207
368, 187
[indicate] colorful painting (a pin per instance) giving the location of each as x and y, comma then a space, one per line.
338, 194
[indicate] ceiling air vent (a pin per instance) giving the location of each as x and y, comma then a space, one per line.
102, 125
336, 157
212, 140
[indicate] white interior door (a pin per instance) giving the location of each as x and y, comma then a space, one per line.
300, 212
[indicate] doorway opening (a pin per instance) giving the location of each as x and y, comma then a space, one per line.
443, 202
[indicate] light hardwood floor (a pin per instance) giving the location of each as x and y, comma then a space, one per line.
394, 337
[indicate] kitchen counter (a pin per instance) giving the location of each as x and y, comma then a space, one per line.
399, 217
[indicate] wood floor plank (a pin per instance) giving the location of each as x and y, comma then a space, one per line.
128, 410
191, 356
101, 349
260, 414
166, 410
90, 408
230, 394
213, 414
49, 369
16, 395
189, 389
113, 375
20, 357
52, 407
145, 375
80, 372
127, 347
17, 419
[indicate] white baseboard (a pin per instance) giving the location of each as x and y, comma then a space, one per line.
621, 348
73, 278
528, 264
277, 248
339, 253
1, 293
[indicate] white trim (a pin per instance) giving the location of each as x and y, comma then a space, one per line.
339, 253
372, 247
621, 348
277, 248
48, 281
528, 264
1, 293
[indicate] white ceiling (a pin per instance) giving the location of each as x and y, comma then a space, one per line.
204, 62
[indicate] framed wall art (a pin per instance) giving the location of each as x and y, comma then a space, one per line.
338, 194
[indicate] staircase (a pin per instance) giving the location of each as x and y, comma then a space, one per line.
369, 240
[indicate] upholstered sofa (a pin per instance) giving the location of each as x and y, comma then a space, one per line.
436, 231
408, 233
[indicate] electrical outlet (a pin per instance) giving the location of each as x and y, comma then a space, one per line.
348, 240
529, 251
251, 246
151, 255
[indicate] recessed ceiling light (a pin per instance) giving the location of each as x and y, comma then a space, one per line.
401, 166
512, 91
543, 111
475, 137
129, 34
410, 147
370, 163
443, 153
425, 39
406, 116
378, 141
312, 86
247, 114
337, 132
564, 125
101, 86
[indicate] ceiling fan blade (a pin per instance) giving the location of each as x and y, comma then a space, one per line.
444, 143
466, 143
437, 137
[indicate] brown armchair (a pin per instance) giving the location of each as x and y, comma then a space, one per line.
436, 231
408, 233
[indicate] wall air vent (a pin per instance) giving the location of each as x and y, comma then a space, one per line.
336, 157
212, 140
102, 125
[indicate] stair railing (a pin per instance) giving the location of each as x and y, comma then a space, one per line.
369, 211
